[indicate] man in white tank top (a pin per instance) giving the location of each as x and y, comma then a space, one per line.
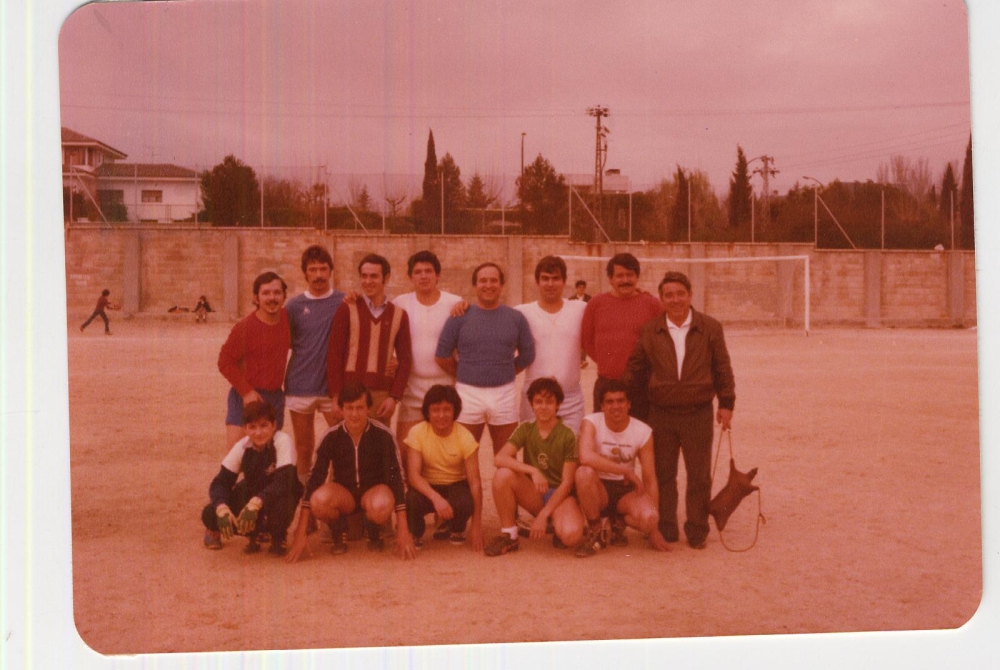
428, 308
606, 481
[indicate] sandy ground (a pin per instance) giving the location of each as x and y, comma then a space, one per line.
867, 444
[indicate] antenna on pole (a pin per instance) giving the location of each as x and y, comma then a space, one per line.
600, 157
766, 173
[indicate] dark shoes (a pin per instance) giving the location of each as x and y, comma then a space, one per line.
213, 540
502, 544
618, 537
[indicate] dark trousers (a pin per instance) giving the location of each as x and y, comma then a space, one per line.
98, 313
274, 517
688, 433
458, 495
636, 394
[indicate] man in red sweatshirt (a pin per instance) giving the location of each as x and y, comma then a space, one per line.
611, 326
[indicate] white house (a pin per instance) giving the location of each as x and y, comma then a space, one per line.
150, 192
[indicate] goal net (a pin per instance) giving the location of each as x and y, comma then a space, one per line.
736, 290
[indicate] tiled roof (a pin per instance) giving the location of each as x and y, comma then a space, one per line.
144, 171
73, 137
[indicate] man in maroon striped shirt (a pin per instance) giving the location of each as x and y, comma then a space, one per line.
364, 335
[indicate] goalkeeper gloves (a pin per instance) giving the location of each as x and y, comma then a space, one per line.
225, 520
248, 517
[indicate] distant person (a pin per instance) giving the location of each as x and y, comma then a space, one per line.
254, 355
580, 291
201, 310
103, 303
542, 482
443, 472
684, 356
364, 337
427, 309
607, 485
611, 326
310, 317
357, 467
555, 328
263, 501
493, 343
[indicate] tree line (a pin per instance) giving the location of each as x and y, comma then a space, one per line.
904, 203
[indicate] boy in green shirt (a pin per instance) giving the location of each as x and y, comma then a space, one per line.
541, 483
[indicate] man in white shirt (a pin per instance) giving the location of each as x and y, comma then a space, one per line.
555, 325
427, 307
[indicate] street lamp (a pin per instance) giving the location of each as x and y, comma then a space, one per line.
815, 209
522, 156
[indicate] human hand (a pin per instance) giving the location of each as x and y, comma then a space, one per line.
460, 308
300, 546
539, 480
404, 544
248, 516
538, 527
476, 537
656, 541
252, 396
385, 410
443, 509
725, 418
226, 521
351, 297
630, 476
390, 369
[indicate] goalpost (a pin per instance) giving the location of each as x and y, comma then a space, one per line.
749, 290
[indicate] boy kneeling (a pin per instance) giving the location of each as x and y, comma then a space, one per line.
443, 471
543, 483
367, 474
267, 493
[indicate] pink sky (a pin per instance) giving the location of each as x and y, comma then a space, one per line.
830, 89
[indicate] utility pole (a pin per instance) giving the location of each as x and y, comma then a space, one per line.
765, 173
600, 156
522, 156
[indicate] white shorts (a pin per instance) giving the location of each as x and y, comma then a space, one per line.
571, 410
496, 405
309, 404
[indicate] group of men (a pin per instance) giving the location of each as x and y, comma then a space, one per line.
448, 367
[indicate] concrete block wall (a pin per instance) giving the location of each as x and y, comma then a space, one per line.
150, 269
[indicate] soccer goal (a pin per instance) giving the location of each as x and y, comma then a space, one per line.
739, 290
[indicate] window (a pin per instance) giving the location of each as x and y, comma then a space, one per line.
152, 196
110, 197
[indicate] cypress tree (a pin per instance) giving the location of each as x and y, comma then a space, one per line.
949, 189
739, 192
431, 205
679, 223
968, 233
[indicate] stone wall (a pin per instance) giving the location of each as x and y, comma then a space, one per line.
150, 269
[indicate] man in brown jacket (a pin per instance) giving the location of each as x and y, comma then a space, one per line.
684, 353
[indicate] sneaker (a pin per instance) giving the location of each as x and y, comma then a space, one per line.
457, 538
594, 541
557, 543
523, 528
277, 549
502, 544
697, 544
443, 531
339, 547
213, 540
252, 547
418, 542
263, 537
618, 537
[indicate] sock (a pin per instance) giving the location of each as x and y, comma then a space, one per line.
512, 531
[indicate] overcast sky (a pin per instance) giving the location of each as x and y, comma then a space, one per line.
830, 89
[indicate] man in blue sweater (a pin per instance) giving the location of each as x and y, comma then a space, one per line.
309, 316
493, 343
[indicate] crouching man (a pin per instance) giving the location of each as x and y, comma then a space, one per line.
366, 473
607, 485
265, 497
543, 482
443, 471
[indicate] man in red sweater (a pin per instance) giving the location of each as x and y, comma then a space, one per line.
254, 355
364, 335
611, 326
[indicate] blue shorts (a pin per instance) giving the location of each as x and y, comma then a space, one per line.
234, 406
547, 495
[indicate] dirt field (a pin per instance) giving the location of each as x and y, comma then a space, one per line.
867, 444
